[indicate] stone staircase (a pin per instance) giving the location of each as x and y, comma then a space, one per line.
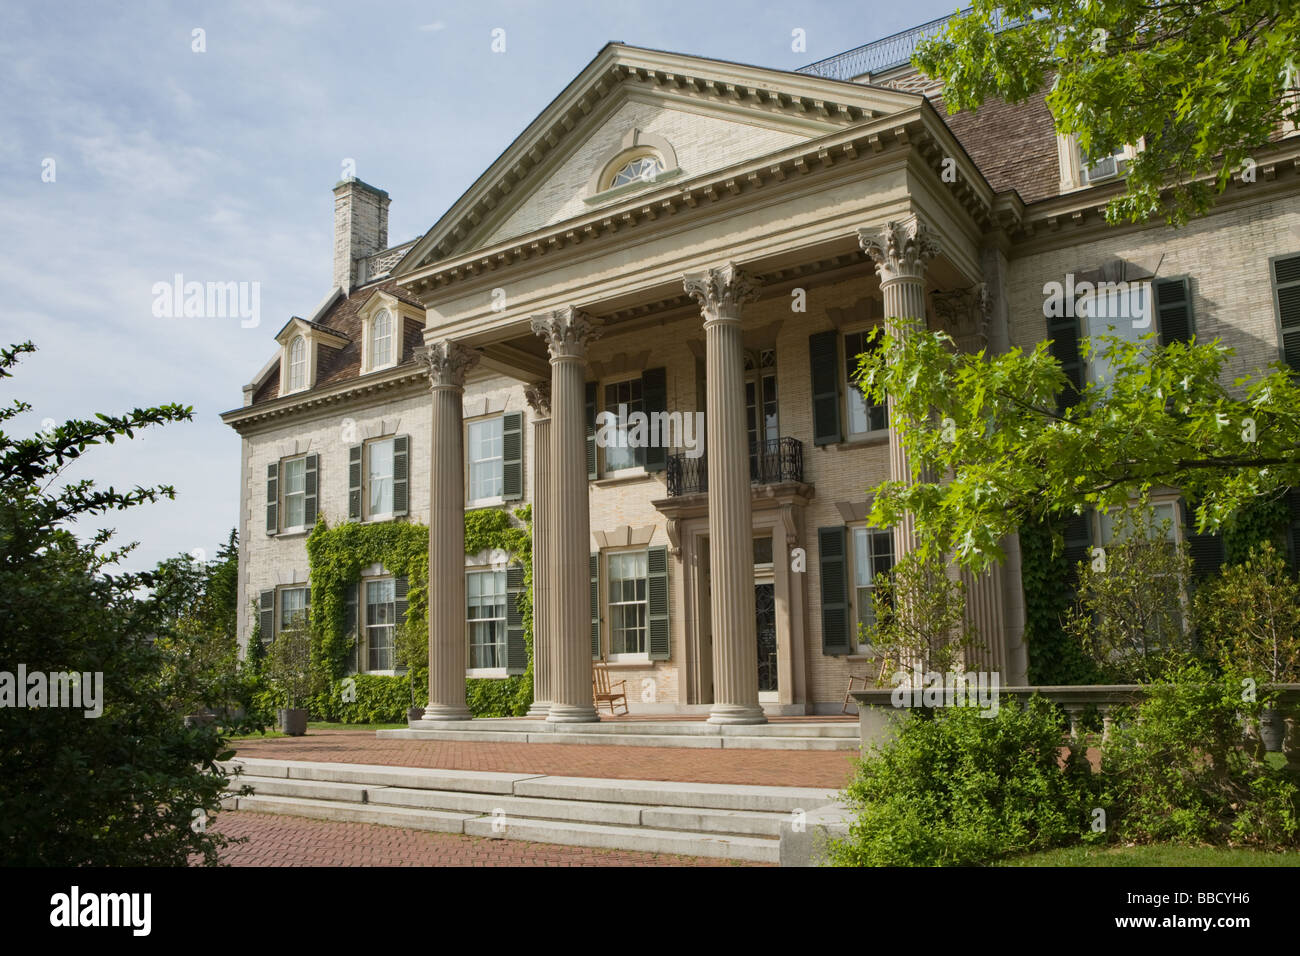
723, 821
788, 735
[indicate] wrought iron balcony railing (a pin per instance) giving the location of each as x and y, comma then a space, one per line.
770, 463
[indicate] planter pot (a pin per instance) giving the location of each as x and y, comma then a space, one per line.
1272, 729
414, 713
293, 721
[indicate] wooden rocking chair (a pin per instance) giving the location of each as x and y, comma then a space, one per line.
602, 690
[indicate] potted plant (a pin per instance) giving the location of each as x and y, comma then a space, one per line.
412, 653
1249, 618
289, 670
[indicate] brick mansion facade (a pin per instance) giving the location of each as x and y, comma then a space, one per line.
676, 234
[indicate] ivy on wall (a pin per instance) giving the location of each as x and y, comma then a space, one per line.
1265, 519
337, 555
1054, 657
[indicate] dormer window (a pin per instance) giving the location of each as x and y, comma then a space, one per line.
381, 339
1079, 170
297, 364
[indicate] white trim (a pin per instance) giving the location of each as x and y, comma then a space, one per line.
486, 673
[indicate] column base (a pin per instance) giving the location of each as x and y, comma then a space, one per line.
539, 710
736, 714
447, 712
571, 714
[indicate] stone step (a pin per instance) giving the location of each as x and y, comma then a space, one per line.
627, 739
671, 728
644, 839
416, 819
738, 822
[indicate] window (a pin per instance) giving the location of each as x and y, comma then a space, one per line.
761, 416
1105, 167
379, 478
295, 493
628, 604
873, 555
864, 418
293, 607
297, 364
1122, 310
1286, 297
381, 339
619, 457
1163, 514
486, 459
381, 619
641, 169
485, 618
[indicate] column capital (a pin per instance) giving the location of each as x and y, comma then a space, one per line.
567, 331
900, 250
538, 396
721, 292
447, 362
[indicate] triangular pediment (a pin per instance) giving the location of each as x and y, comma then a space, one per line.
691, 115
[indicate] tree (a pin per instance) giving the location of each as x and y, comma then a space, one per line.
1249, 618
1200, 85
919, 618
133, 785
1130, 615
990, 450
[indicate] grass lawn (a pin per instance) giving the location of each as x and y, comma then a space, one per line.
320, 725
1159, 855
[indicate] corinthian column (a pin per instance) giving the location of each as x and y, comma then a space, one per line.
901, 251
539, 400
721, 293
567, 332
448, 363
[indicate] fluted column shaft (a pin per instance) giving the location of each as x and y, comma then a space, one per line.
539, 398
567, 332
721, 293
448, 644
901, 251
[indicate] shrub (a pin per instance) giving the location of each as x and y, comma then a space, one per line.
959, 788
379, 699
1249, 617
1175, 769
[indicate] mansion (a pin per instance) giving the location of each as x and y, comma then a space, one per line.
674, 234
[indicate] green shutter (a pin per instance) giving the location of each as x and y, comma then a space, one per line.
309, 498
1064, 347
1173, 303
401, 587
1078, 544
273, 497
350, 622
832, 548
401, 475
512, 454
595, 606
654, 399
591, 430
516, 648
1286, 296
354, 482
266, 616
824, 361
658, 611
1206, 550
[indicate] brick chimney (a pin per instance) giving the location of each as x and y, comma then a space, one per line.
360, 228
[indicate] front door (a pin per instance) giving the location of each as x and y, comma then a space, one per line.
765, 625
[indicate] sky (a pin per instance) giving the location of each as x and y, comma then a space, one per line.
134, 149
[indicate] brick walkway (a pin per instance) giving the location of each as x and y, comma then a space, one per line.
276, 840
773, 768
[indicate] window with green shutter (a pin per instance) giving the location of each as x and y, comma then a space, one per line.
1063, 331
595, 605
512, 456
824, 365
832, 551
1286, 298
266, 616
1205, 550
355, 455
1173, 304
312, 468
654, 399
590, 408
401, 475
1078, 544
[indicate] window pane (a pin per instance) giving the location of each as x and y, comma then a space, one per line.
863, 417
628, 607
295, 492
486, 467
616, 394
381, 616
293, 607
381, 338
297, 363
380, 477
485, 616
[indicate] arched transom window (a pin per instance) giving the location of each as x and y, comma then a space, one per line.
297, 363
381, 339
641, 169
